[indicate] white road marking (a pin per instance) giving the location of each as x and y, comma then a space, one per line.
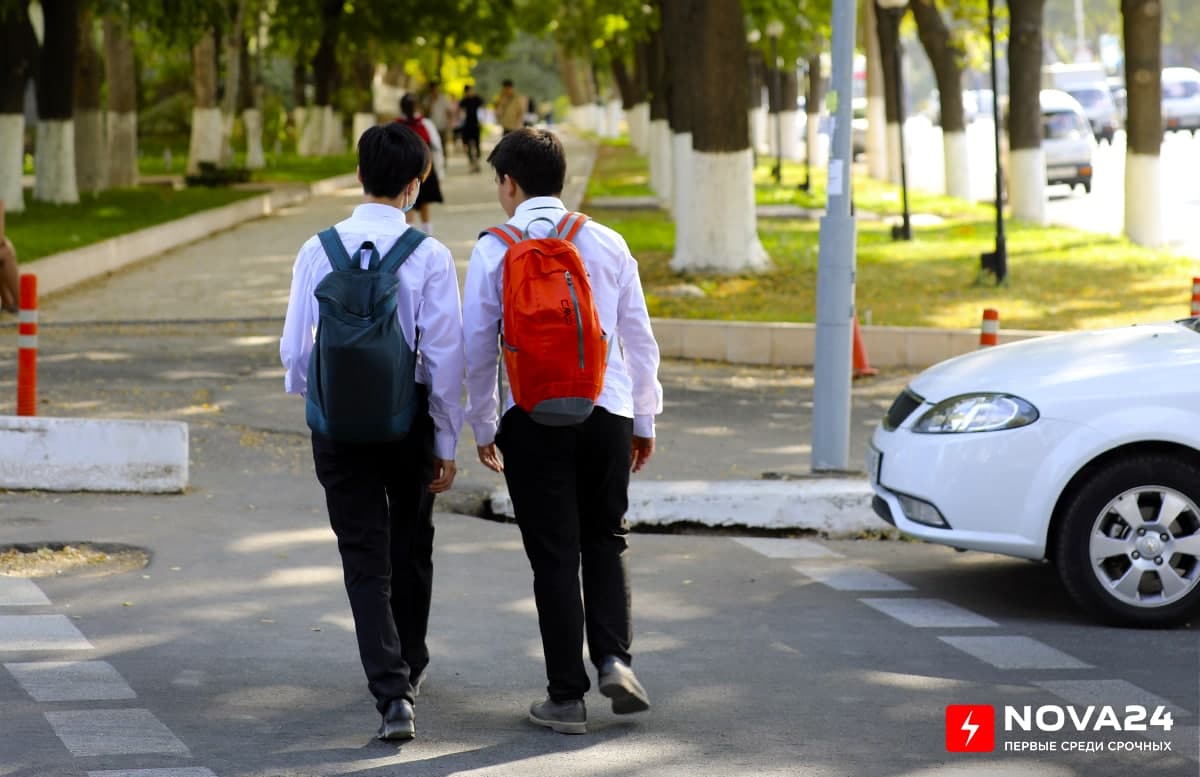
929, 613
71, 681
786, 548
1015, 653
20, 592
189, 771
40, 632
852, 578
114, 732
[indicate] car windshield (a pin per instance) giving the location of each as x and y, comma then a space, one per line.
1190, 323
1062, 124
1179, 90
1088, 98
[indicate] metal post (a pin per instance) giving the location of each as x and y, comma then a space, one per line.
904, 230
835, 266
995, 261
779, 109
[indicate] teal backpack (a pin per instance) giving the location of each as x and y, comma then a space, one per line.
362, 374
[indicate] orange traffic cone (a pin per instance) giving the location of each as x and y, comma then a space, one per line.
862, 368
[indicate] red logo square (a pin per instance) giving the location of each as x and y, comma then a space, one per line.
970, 728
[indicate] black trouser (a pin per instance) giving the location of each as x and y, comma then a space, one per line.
570, 490
381, 510
470, 137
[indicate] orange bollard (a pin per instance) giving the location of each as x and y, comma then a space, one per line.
989, 331
1196, 296
862, 368
27, 327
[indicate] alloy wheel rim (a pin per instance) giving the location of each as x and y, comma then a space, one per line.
1144, 546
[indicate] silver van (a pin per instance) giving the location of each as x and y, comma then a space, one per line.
1067, 140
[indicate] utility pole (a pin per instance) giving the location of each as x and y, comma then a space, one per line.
835, 265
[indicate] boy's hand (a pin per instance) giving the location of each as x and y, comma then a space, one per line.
490, 458
643, 449
443, 475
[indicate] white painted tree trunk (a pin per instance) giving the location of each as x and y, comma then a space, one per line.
638, 120
12, 161
816, 145
226, 159
722, 221
1027, 184
91, 156
758, 129
300, 117
957, 155
206, 138
333, 136
122, 149
253, 123
1144, 200
54, 162
682, 193
877, 139
790, 126
893, 153
660, 161
362, 123
312, 132
612, 124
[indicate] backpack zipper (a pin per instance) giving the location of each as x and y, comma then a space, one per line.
578, 316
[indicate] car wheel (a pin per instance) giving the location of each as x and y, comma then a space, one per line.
1128, 547
1087, 186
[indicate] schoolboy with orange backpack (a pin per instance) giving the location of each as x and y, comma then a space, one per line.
560, 296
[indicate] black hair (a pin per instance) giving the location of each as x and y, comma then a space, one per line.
506, 82
468, 88
534, 158
408, 106
390, 156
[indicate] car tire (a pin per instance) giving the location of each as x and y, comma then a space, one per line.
1087, 186
1105, 562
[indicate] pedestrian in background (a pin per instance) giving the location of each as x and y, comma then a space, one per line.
431, 188
10, 279
569, 484
440, 111
468, 115
510, 108
380, 493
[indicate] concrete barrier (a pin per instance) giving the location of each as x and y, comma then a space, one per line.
835, 507
83, 454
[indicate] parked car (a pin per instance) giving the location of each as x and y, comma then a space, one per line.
1082, 449
858, 126
1100, 108
1181, 99
1067, 140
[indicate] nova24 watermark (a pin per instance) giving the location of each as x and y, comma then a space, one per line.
971, 728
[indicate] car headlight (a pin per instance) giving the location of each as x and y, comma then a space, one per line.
976, 413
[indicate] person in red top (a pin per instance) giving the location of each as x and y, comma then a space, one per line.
431, 190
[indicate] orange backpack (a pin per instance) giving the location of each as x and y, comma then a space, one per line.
555, 351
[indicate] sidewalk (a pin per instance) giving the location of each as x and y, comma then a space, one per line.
224, 298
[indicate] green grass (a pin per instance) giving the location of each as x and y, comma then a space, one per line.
285, 167
1058, 278
48, 229
619, 172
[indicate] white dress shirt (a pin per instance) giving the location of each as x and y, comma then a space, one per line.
427, 303
631, 387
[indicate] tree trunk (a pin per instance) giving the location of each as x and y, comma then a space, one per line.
888, 29
55, 160
235, 45
813, 100
756, 69
1026, 160
18, 59
205, 143
576, 80
121, 75
679, 31
91, 158
789, 114
721, 216
946, 58
250, 100
320, 127
660, 130
1142, 28
877, 158
637, 117
363, 73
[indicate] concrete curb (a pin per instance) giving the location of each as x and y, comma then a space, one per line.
59, 272
82, 454
833, 507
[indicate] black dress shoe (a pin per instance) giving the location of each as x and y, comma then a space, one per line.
398, 721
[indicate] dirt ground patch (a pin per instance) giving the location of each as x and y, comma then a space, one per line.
69, 558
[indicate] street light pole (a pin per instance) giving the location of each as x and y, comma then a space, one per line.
774, 30
995, 261
895, 11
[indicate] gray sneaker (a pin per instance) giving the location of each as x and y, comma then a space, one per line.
619, 683
565, 717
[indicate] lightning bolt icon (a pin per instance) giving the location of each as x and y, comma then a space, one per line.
969, 727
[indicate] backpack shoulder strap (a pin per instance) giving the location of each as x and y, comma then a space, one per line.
570, 225
402, 249
507, 234
334, 249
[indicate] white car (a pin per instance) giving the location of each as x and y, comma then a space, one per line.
1181, 99
1082, 449
1067, 140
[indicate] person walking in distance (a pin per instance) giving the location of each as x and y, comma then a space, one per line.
382, 379
441, 113
431, 188
468, 112
510, 108
10, 276
566, 459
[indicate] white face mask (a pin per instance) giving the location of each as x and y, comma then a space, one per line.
413, 201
